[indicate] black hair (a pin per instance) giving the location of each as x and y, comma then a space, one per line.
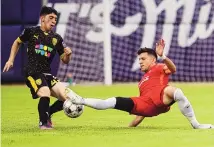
47, 10
147, 50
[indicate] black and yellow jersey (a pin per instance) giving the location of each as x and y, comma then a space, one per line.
41, 49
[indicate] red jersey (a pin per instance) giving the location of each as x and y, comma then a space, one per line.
153, 82
151, 87
153, 79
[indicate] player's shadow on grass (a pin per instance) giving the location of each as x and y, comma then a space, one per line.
163, 127
112, 128
77, 128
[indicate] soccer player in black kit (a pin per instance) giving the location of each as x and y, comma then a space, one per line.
43, 44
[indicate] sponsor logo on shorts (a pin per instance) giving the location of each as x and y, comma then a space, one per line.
38, 81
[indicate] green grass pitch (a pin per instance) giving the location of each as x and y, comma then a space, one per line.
106, 128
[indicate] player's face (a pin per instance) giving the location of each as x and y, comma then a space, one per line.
49, 21
146, 61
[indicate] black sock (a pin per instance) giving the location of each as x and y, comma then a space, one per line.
43, 108
55, 107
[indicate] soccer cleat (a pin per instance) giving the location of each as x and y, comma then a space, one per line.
50, 122
204, 126
75, 98
45, 126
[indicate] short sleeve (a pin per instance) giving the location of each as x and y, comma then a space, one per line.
160, 67
60, 47
163, 69
24, 37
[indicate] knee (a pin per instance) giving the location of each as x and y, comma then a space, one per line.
178, 94
44, 92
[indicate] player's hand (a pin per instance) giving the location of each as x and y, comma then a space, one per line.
159, 47
67, 51
8, 65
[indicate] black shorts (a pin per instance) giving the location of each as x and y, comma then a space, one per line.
34, 82
124, 104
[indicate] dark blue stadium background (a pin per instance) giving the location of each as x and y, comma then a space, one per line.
15, 16
195, 63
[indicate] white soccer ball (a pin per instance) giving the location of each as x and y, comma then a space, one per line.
72, 110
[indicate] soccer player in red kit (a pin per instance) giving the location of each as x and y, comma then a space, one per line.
156, 96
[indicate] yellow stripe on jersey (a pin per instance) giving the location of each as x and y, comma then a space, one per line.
33, 83
62, 55
19, 40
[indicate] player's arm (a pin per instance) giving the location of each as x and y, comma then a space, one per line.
66, 56
64, 51
24, 37
170, 65
136, 121
168, 62
14, 49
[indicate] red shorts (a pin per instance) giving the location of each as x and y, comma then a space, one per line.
150, 105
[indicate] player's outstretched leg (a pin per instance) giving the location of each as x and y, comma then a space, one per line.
98, 104
119, 103
187, 110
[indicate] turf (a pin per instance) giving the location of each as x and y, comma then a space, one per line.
19, 126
